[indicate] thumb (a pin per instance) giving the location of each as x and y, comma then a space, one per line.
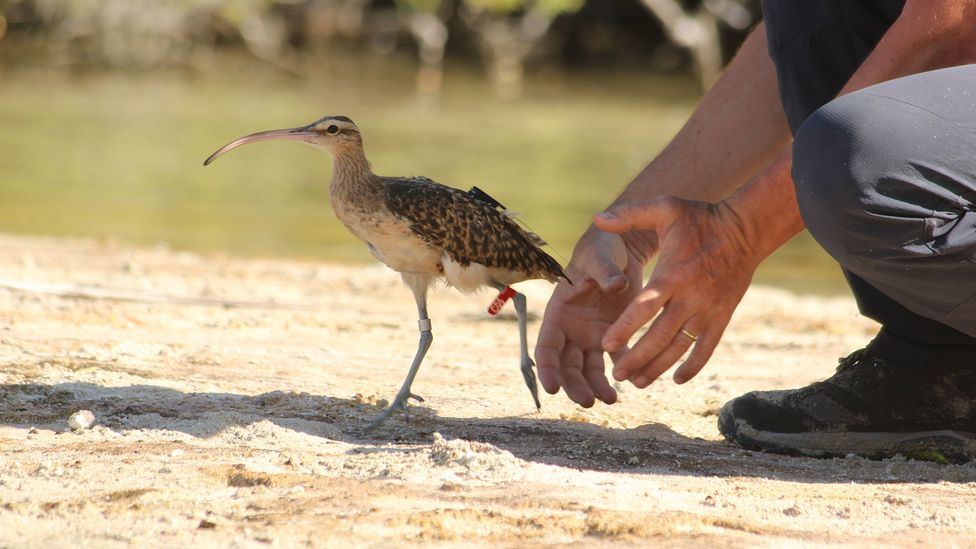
602, 262
607, 274
651, 215
599, 273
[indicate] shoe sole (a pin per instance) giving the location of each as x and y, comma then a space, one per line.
943, 446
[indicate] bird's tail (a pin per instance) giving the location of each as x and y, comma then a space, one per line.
552, 271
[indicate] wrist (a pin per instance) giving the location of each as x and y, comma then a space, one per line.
764, 211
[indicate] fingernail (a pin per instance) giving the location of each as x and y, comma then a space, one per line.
640, 381
619, 374
615, 280
605, 215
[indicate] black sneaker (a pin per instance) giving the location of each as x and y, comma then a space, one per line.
892, 397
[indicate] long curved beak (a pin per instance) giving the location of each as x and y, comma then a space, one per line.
292, 134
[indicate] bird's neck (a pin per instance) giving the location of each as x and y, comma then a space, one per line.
351, 175
350, 163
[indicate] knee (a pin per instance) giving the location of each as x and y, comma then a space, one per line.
835, 161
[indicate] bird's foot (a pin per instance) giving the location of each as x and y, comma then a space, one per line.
399, 403
528, 373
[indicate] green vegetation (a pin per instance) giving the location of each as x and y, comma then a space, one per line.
138, 35
933, 456
120, 157
109, 107
551, 7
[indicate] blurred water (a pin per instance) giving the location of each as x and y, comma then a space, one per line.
120, 157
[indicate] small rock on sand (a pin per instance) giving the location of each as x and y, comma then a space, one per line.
81, 420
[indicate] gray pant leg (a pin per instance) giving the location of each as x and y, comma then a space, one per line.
886, 183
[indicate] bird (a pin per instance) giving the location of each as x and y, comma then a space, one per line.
427, 232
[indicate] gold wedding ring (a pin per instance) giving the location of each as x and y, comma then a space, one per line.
689, 334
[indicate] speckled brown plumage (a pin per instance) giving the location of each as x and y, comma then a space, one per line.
468, 230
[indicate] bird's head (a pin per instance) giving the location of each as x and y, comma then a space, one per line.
332, 134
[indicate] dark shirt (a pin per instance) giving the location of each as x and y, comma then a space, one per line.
817, 45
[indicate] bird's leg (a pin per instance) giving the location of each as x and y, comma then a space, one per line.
527, 365
426, 338
528, 373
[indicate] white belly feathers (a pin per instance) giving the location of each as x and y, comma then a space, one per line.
395, 245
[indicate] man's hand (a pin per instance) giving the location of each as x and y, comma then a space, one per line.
708, 160
705, 264
606, 271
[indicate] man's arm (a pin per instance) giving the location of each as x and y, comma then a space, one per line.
736, 129
738, 126
928, 35
757, 218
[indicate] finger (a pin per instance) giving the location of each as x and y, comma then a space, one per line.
639, 312
664, 360
613, 283
604, 271
660, 335
547, 351
617, 355
571, 376
608, 275
704, 347
582, 286
654, 214
594, 370
547, 361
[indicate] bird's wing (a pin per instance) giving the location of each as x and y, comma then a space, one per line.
467, 229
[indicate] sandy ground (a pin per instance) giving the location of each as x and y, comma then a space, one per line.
230, 397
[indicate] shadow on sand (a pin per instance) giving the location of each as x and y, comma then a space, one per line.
650, 448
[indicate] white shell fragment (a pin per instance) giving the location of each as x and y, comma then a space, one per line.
81, 420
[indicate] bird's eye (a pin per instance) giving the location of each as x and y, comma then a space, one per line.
333, 129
